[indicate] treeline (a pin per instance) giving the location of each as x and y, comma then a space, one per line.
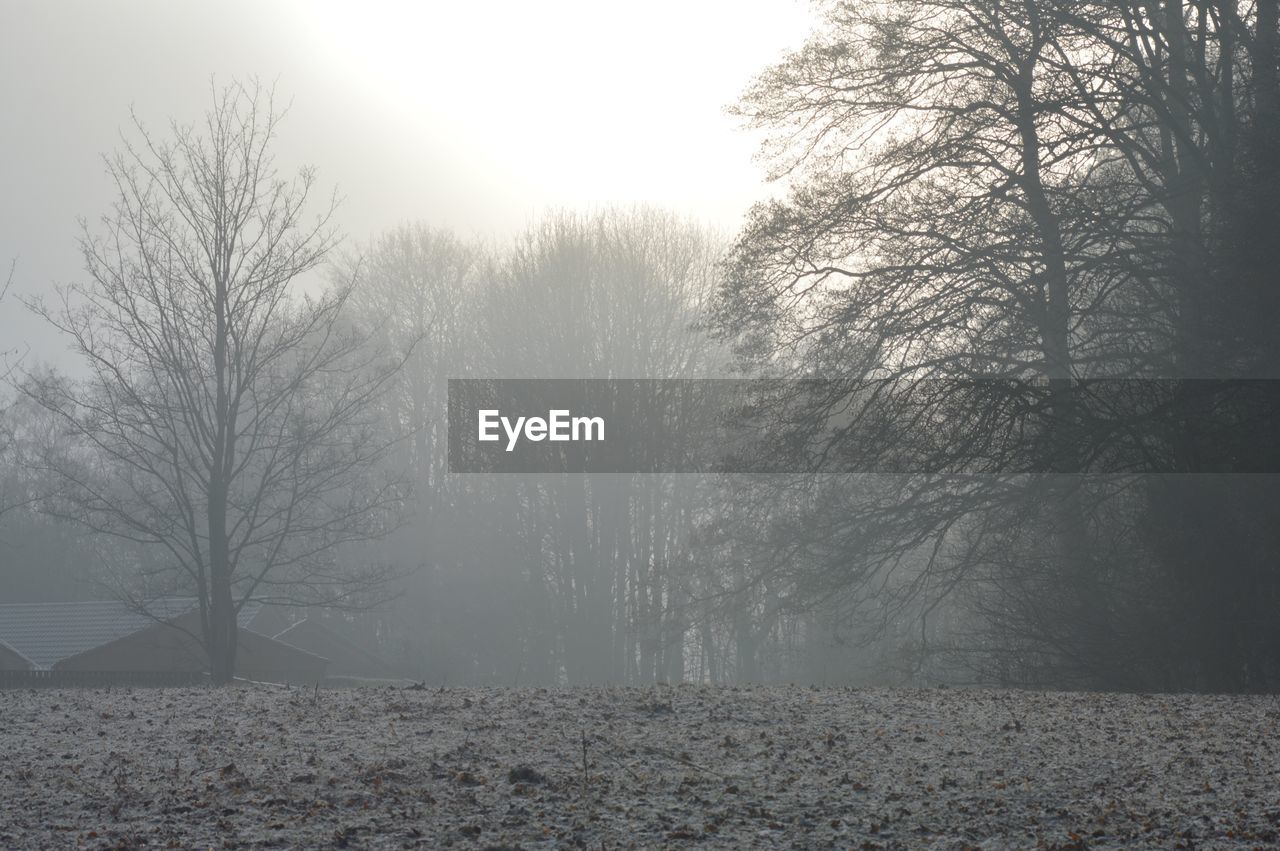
542, 579
984, 197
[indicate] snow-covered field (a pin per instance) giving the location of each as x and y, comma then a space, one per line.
643, 768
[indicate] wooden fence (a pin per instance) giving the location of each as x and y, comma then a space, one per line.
99, 679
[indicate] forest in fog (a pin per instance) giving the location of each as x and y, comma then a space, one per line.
984, 205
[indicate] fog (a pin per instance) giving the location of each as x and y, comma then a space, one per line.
995, 290
476, 118
848, 423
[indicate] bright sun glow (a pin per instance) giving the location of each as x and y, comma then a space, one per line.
477, 117
569, 103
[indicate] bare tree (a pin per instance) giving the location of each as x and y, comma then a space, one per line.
1005, 193
618, 293
6, 354
5, 433
226, 417
949, 219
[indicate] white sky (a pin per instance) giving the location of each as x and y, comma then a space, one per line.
475, 115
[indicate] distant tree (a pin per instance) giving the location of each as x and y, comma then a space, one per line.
416, 296
614, 294
7, 502
226, 415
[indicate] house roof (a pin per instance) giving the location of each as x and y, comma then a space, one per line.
46, 633
344, 654
6, 650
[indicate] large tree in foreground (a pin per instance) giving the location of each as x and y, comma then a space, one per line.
225, 417
1000, 193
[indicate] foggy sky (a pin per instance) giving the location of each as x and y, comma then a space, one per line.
473, 116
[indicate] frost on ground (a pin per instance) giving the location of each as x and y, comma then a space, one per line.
689, 766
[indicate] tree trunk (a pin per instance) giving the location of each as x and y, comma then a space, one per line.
221, 641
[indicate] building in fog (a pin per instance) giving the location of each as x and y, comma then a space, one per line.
332, 638
113, 641
12, 660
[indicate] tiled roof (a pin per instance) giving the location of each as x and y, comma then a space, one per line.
5, 649
46, 633
344, 654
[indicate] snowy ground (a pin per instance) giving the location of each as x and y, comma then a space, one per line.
668, 767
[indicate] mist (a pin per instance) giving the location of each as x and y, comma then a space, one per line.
552, 424
475, 120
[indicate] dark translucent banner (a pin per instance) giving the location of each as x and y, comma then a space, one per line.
962, 427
